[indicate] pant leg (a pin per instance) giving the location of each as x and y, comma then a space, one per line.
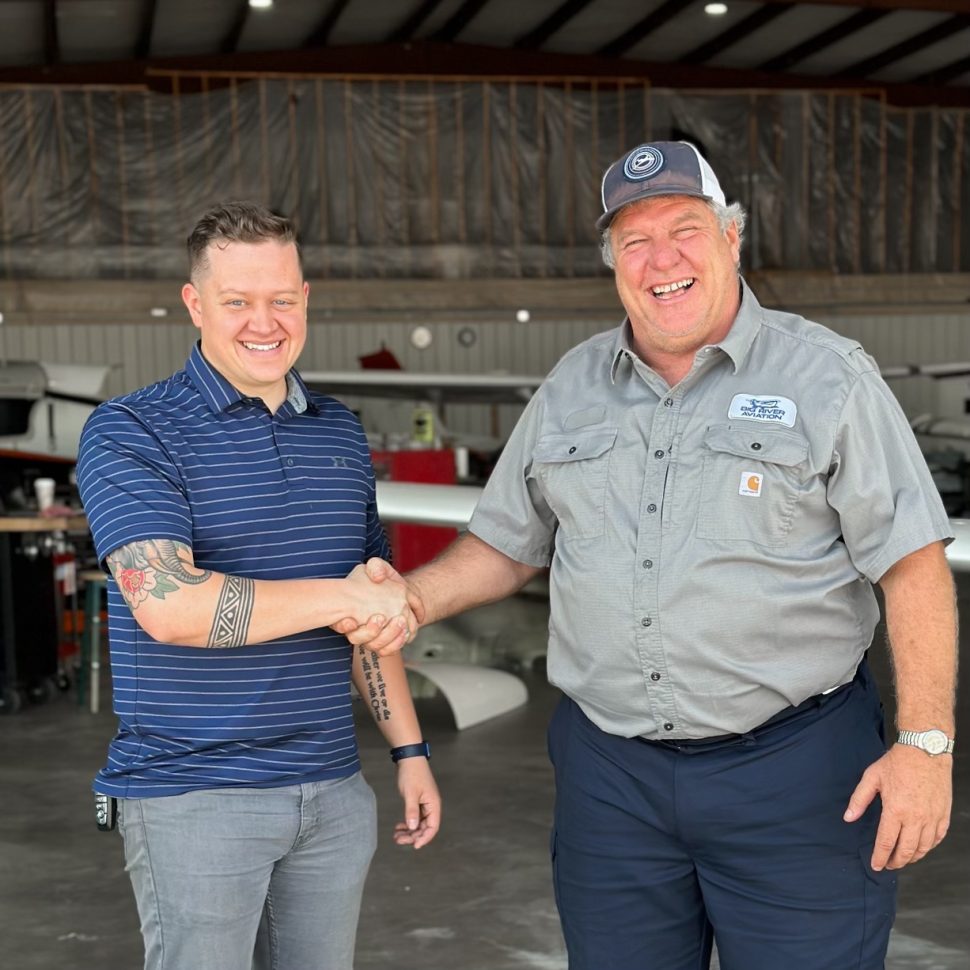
200, 865
786, 882
313, 903
625, 885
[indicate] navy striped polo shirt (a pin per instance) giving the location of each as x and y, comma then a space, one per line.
267, 496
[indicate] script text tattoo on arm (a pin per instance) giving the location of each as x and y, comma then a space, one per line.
376, 698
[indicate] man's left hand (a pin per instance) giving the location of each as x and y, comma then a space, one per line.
422, 803
917, 795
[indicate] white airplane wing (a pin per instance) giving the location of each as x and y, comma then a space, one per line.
437, 388
956, 369
421, 504
958, 551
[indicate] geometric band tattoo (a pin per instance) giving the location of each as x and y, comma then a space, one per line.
233, 612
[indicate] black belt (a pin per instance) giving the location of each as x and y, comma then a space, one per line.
785, 714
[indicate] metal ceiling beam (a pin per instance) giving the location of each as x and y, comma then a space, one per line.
643, 28
565, 12
943, 75
922, 6
52, 44
897, 52
321, 33
458, 21
426, 60
740, 30
231, 41
407, 30
143, 45
845, 28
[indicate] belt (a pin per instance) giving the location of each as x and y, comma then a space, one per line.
784, 715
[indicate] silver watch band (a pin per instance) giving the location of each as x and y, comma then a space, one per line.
919, 740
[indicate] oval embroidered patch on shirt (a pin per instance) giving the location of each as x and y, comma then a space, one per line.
764, 407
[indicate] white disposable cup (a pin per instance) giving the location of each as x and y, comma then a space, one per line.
44, 490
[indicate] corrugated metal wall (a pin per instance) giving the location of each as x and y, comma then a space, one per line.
142, 353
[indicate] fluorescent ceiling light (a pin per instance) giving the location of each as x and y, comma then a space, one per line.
712, 9
261, 4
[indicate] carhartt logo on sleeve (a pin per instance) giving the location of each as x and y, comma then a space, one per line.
750, 484
763, 407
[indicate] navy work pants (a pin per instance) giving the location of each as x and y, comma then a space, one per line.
661, 848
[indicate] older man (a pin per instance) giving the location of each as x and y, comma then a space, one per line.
716, 488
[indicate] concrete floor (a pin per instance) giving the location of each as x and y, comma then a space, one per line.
479, 898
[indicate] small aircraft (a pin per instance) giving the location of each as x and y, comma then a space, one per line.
43, 406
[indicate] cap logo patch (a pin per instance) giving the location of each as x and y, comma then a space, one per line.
643, 162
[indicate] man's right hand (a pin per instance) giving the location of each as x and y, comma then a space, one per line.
383, 632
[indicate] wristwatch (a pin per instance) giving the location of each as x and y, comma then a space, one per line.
933, 742
420, 750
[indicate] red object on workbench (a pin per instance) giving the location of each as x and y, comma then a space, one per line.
414, 545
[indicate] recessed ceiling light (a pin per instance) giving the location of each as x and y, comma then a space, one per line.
261, 4
712, 9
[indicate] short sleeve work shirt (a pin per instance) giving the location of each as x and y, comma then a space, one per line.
712, 545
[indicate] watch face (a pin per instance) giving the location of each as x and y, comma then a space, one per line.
934, 742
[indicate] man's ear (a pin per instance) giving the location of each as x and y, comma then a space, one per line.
193, 302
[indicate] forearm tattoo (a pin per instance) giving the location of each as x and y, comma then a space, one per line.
234, 610
376, 698
153, 568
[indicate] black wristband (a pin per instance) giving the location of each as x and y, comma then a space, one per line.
419, 750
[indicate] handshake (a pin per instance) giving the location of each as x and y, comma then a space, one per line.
385, 611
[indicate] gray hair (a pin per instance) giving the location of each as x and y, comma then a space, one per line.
725, 215
228, 222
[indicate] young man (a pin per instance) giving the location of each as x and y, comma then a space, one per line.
716, 487
235, 508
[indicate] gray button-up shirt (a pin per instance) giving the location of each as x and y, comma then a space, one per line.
713, 544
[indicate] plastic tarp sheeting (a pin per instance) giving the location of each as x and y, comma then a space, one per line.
465, 179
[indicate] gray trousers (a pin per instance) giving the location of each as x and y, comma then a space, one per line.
241, 878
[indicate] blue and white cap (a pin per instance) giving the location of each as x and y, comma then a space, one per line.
658, 168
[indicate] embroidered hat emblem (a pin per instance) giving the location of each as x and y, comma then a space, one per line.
643, 162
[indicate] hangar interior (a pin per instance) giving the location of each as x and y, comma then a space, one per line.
442, 161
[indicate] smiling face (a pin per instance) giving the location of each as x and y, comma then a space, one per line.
249, 301
677, 277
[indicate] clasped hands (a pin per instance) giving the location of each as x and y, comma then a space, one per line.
388, 611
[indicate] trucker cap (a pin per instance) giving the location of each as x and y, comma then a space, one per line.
657, 168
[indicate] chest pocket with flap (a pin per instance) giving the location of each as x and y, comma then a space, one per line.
751, 482
572, 470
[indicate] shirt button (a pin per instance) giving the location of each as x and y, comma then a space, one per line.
655, 676
289, 461
651, 507
648, 564
668, 726
756, 446
646, 621
571, 450
658, 453
668, 402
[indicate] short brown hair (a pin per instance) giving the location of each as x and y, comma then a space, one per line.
227, 222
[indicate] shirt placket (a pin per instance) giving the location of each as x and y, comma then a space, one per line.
656, 519
649, 560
